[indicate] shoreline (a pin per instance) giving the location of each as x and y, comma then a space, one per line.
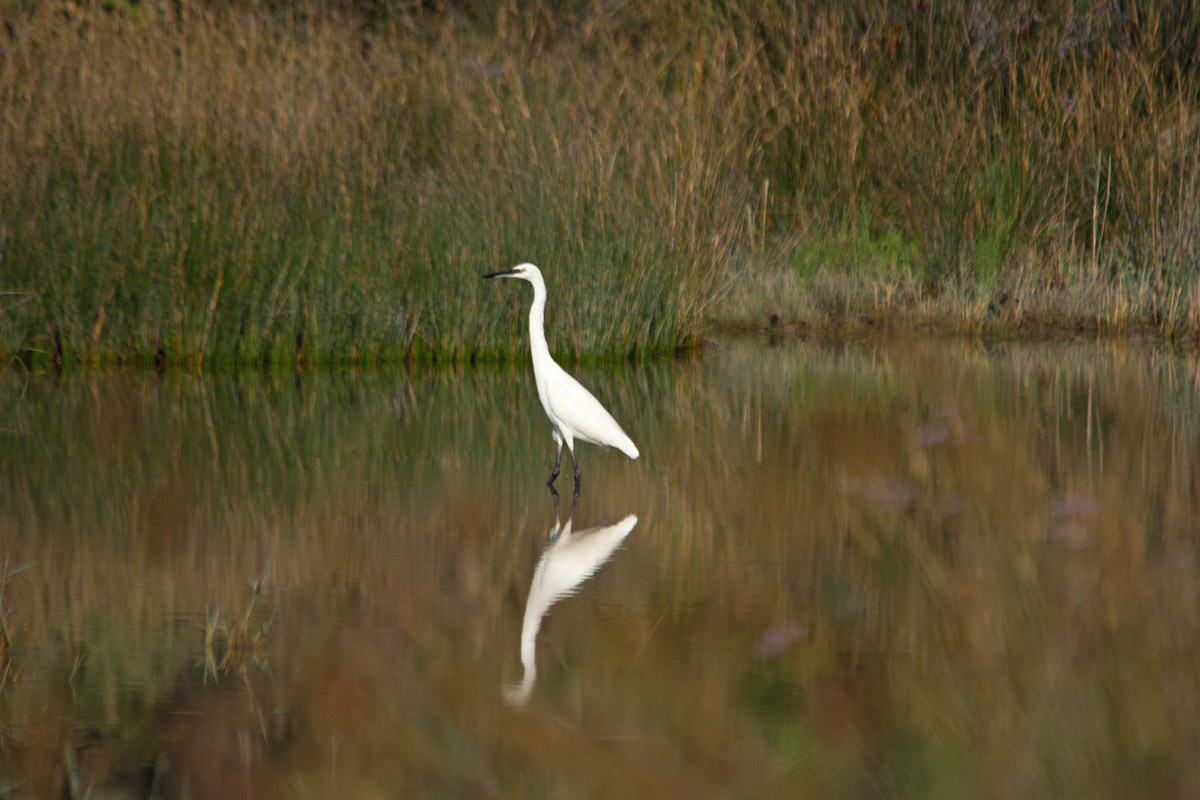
863, 328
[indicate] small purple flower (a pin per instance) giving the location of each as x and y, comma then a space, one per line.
1073, 505
892, 493
778, 639
934, 433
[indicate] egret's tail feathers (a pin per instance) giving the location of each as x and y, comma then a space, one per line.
627, 447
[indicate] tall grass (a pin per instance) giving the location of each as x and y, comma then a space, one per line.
223, 188
1003, 162
290, 181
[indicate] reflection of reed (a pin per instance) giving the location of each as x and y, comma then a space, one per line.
909, 564
569, 559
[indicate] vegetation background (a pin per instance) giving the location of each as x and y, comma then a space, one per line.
285, 182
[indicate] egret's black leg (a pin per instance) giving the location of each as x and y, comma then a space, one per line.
576, 465
557, 466
557, 530
574, 500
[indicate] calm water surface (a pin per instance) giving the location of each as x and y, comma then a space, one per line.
913, 570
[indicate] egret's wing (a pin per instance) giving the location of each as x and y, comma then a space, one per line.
584, 415
567, 563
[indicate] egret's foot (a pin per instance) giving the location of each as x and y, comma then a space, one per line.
557, 467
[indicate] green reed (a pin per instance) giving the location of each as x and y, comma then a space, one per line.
267, 182
219, 192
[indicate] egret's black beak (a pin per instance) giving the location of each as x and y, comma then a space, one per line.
500, 273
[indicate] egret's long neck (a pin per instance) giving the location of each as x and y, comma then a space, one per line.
529, 632
517, 694
537, 323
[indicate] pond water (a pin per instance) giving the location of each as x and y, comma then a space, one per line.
913, 569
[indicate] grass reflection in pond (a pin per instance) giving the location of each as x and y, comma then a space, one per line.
917, 570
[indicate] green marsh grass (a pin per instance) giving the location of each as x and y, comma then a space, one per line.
978, 167
281, 182
222, 190
267, 182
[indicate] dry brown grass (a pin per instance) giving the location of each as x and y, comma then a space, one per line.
235, 187
247, 182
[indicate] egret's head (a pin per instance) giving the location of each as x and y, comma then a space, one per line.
524, 271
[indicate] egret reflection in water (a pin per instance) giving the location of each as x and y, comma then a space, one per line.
570, 558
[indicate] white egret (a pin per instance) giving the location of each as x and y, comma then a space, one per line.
569, 560
574, 413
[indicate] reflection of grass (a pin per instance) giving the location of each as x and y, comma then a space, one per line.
972, 616
231, 647
932, 571
11, 661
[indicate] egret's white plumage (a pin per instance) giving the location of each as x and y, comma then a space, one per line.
574, 413
569, 560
